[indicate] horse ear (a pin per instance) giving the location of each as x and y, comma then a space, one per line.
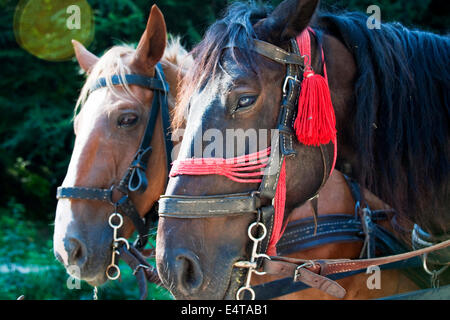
86, 59
153, 41
288, 20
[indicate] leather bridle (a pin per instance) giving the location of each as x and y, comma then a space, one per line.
134, 181
311, 272
177, 206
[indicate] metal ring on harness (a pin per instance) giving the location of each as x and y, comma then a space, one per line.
112, 216
115, 275
243, 289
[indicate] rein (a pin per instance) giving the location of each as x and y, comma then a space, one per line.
133, 181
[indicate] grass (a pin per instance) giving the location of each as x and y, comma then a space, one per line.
28, 267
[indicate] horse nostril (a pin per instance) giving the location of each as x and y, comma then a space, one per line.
76, 251
189, 273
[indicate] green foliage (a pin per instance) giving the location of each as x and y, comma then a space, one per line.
36, 140
28, 267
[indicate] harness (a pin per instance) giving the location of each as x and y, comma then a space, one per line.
262, 203
134, 181
362, 226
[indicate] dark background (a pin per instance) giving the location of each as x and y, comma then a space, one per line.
37, 98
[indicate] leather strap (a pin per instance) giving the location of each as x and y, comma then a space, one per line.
319, 282
84, 193
208, 206
422, 239
136, 79
299, 235
142, 226
278, 288
142, 270
277, 54
288, 266
289, 105
441, 293
272, 171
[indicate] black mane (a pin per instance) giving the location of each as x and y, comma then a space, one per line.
403, 87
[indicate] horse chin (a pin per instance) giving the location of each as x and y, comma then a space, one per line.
97, 281
94, 276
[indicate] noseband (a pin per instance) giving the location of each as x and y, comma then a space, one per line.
134, 179
252, 203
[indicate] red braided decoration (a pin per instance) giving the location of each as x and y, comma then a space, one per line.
241, 169
244, 169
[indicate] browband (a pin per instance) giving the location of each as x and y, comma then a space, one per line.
136, 79
277, 54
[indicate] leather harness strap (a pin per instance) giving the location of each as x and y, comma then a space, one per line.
281, 287
141, 269
84, 193
208, 206
277, 54
136, 79
290, 266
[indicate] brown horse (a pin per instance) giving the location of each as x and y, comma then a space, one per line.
108, 128
236, 83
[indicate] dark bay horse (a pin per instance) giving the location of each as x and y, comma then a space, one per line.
389, 90
109, 127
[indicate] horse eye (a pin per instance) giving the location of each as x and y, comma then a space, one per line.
127, 120
246, 101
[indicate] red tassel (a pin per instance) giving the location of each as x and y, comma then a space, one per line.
315, 123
